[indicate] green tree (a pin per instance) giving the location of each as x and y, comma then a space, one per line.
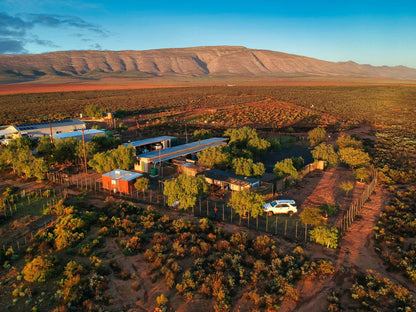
311, 216
202, 134
65, 150
100, 162
316, 136
258, 169
93, 111
329, 209
119, 158
346, 186
124, 157
45, 146
354, 157
90, 149
285, 168
361, 174
326, 153
142, 184
246, 167
298, 162
274, 143
348, 141
186, 190
105, 143
247, 137
258, 145
325, 236
215, 157
19, 156
247, 202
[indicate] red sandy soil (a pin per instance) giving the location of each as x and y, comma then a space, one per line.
122, 83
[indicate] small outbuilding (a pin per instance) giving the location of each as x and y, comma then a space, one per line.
229, 181
121, 181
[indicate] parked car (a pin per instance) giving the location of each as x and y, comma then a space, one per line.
280, 206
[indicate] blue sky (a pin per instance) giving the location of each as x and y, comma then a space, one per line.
367, 32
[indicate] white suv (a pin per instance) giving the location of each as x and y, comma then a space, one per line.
280, 206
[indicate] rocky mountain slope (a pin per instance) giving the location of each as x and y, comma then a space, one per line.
214, 61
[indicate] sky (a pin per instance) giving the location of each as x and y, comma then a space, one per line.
367, 32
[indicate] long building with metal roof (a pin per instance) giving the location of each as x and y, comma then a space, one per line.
147, 145
88, 134
37, 130
146, 160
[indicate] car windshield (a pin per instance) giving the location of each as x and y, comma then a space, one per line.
273, 203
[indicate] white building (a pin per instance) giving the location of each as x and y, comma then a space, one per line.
38, 130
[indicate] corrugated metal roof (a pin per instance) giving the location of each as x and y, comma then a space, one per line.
220, 175
182, 150
72, 134
149, 141
42, 125
125, 175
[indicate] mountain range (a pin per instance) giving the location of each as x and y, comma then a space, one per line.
210, 62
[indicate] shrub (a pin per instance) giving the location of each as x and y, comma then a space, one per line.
39, 269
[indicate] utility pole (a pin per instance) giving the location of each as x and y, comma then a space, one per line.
85, 154
50, 129
160, 162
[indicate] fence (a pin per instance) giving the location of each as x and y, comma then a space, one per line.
347, 219
289, 227
52, 197
317, 165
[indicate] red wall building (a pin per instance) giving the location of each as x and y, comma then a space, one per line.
120, 181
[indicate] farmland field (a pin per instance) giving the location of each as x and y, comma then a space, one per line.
273, 107
90, 250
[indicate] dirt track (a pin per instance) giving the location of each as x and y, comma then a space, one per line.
355, 254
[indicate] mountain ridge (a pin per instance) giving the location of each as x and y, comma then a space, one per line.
205, 61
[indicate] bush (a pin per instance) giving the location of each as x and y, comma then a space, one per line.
39, 269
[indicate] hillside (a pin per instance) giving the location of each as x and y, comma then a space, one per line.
211, 62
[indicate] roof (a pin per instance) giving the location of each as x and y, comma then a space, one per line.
149, 141
125, 175
6, 131
220, 175
77, 133
42, 125
182, 150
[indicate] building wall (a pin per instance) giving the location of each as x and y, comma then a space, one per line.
121, 186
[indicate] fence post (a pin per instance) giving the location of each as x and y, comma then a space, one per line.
306, 232
296, 231
285, 227
267, 222
275, 226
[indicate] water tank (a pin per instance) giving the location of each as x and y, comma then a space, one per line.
153, 172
